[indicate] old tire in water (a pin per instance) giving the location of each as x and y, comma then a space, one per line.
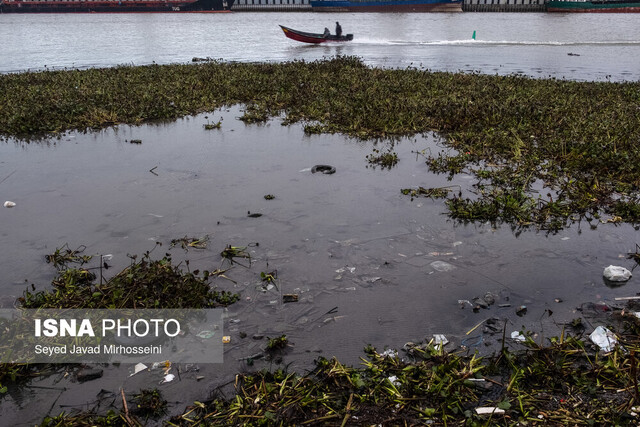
325, 169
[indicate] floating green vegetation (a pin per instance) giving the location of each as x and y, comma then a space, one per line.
269, 197
434, 193
576, 140
230, 253
149, 404
211, 126
86, 419
384, 160
566, 382
191, 242
269, 278
146, 283
65, 255
279, 343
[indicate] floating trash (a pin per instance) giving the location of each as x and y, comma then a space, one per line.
615, 273
139, 368
325, 169
394, 381
518, 336
290, 298
603, 338
442, 266
205, 334
9, 204
226, 339
389, 353
521, 311
472, 341
168, 378
439, 341
463, 302
485, 410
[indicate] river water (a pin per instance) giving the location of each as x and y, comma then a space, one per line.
534, 44
370, 266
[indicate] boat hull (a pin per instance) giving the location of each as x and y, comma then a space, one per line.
593, 6
313, 38
114, 6
386, 5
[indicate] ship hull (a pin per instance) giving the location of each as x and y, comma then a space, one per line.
114, 6
593, 6
387, 6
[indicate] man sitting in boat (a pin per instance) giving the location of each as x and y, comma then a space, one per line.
338, 29
326, 33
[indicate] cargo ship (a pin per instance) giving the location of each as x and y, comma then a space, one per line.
114, 6
594, 6
386, 5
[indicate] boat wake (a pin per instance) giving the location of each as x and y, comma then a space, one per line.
471, 42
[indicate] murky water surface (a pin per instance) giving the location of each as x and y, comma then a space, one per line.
370, 266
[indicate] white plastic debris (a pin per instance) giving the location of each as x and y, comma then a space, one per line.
9, 204
603, 338
139, 368
394, 380
168, 378
489, 410
439, 340
518, 336
389, 353
441, 266
615, 273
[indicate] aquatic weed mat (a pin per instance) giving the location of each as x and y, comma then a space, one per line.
545, 153
145, 283
566, 382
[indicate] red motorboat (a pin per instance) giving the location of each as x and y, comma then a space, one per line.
303, 37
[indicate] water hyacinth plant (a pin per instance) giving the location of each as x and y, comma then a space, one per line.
577, 139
